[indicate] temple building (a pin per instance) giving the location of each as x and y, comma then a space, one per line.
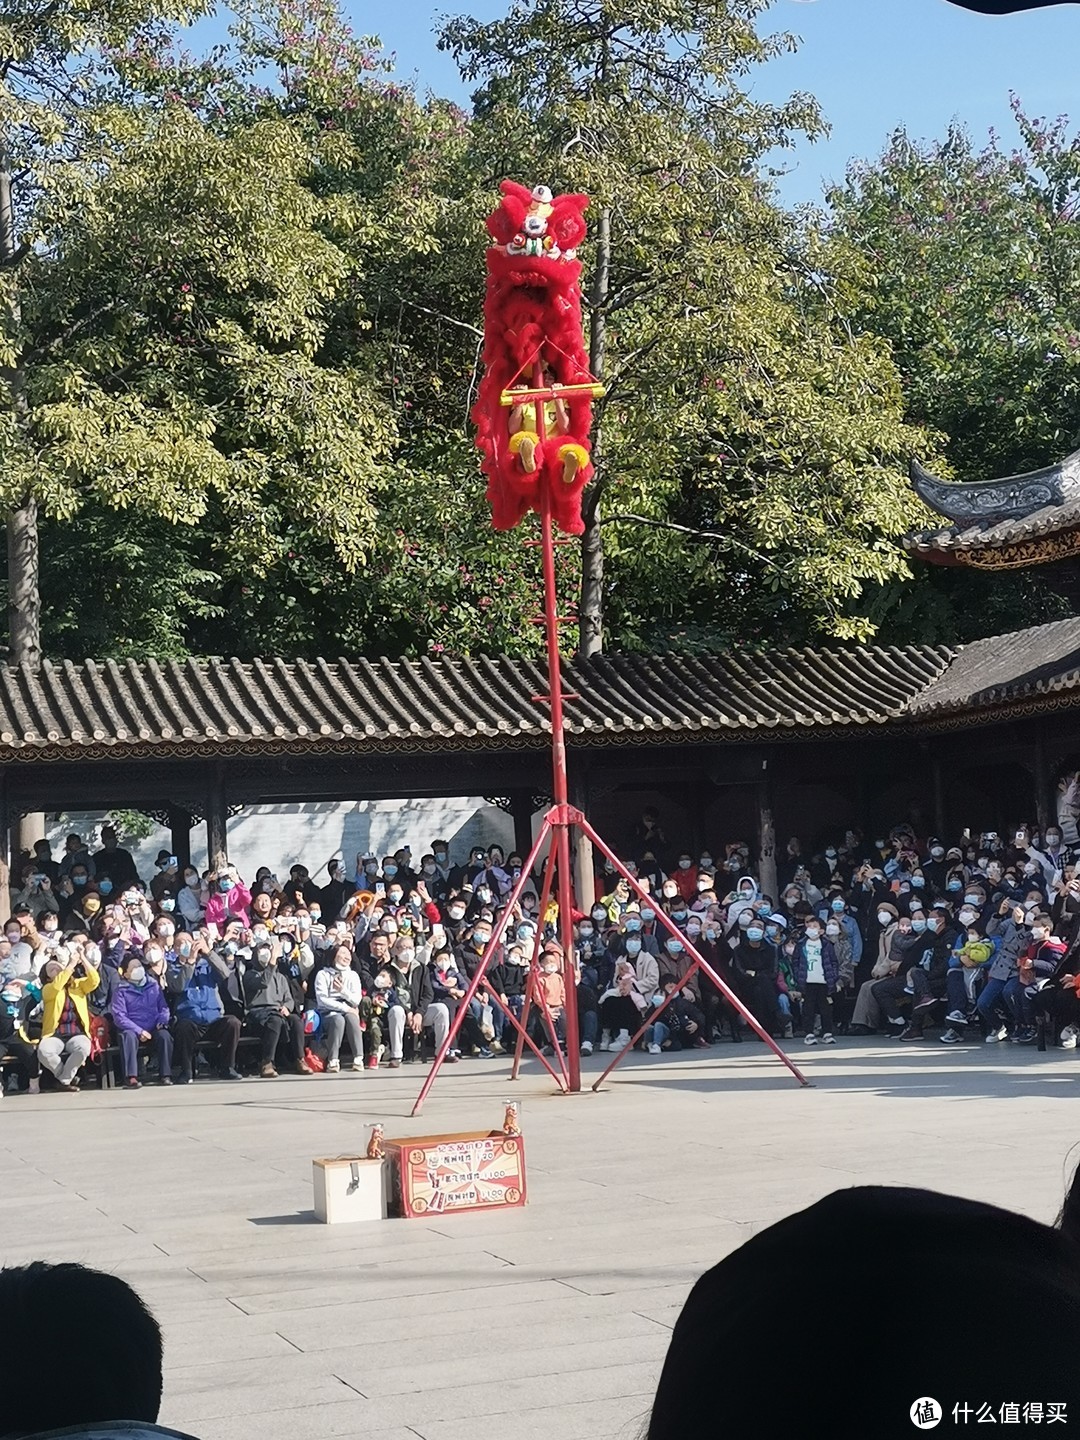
1009, 524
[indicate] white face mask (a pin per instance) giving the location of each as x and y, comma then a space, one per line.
884, 918
832, 929
137, 974
968, 917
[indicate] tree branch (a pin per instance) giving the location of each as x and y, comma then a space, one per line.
696, 534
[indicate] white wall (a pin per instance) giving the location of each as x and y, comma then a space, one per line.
282, 835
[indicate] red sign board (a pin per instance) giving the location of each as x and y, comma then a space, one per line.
442, 1174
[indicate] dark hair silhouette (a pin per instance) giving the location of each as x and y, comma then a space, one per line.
78, 1348
832, 1323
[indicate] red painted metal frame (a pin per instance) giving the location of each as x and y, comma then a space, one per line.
699, 963
557, 823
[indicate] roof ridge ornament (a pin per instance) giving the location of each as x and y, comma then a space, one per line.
1013, 497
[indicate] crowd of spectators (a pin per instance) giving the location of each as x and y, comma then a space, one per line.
903, 935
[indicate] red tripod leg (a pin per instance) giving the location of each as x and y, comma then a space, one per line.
478, 978
699, 963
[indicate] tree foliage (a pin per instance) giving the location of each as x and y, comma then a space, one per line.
246, 330
972, 275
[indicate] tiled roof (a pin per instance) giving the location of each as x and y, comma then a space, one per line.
997, 513
153, 706
1041, 661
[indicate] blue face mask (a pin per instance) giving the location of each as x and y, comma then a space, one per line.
956, 884
837, 906
105, 886
168, 904
526, 932
674, 947
78, 879
918, 881
633, 924
972, 900
918, 926
679, 915
710, 934
754, 932
648, 916
389, 870
224, 883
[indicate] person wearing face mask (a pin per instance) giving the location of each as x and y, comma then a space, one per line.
338, 997
896, 940
471, 952
1041, 965
621, 1007
934, 865
191, 898
194, 981
682, 1025
272, 1011
753, 973
931, 957
817, 976
444, 878
685, 876
35, 891
412, 1004
838, 911
140, 1016
229, 897
167, 880
67, 979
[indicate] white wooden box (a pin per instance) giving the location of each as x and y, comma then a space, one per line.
350, 1187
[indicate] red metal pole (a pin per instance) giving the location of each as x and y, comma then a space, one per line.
538, 940
559, 785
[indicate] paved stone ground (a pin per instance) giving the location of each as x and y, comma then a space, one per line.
549, 1321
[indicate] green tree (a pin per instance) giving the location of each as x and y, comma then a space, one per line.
176, 279
739, 402
973, 278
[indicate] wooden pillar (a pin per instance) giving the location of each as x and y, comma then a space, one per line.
940, 810
766, 834
5, 843
584, 871
1045, 806
180, 830
27, 831
521, 812
217, 842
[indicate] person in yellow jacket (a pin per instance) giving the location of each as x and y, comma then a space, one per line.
68, 978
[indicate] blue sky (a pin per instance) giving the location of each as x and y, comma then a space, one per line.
873, 64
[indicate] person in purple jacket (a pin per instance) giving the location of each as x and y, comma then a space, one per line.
140, 1014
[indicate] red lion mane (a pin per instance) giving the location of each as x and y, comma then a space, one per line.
532, 324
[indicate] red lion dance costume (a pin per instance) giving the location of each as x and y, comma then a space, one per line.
535, 447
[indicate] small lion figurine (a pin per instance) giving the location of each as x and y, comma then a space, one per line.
510, 1119
375, 1144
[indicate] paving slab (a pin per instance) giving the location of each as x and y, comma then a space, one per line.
550, 1321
